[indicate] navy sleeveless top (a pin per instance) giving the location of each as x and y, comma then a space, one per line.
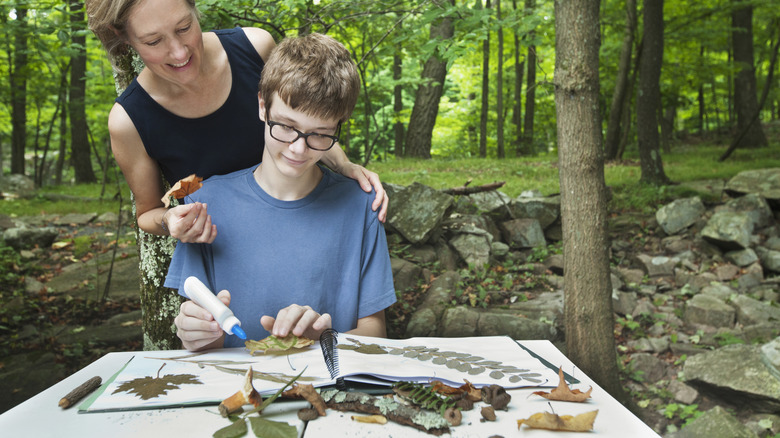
229, 139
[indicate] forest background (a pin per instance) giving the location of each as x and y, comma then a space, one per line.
454, 90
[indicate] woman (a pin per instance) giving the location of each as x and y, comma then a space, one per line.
186, 111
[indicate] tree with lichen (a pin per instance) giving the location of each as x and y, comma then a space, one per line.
159, 305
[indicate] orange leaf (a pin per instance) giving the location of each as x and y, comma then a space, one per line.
544, 420
563, 393
470, 391
183, 187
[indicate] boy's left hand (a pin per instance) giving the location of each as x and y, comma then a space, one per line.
300, 320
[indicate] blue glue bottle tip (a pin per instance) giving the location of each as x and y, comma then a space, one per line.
238, 331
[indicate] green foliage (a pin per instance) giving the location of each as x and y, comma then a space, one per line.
541, 253
728, 338
685, 413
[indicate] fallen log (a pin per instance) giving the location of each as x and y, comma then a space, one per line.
467, 190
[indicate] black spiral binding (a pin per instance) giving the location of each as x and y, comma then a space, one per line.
328, 342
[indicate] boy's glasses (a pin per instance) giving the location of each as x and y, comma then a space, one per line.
288, 134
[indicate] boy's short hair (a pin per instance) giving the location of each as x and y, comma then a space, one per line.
313, 74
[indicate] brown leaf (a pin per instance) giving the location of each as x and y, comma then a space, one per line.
467, 389
563, 393
183, 187
308, 393
545, 420
152, 387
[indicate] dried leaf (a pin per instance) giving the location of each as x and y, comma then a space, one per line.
61, 244
308, 393
373, 419
152, 387
183, 187
563, 393
545, 420
273, 343
469, 391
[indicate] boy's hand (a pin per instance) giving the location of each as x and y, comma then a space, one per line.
197, 328
300, 320
190, 223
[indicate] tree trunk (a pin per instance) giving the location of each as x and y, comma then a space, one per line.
18, 79
398, 106
426, 102
530, 88
79, 142
589, 320
518, 117
649, 96
500, 86
483, 113
620, 94
159, 305
745, 94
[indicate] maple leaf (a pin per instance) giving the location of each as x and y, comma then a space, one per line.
183, 187
545, 420
273, 344
563, 393
152, 387
471, 393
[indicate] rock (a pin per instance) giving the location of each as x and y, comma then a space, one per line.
682, 392
715, 423
718, 290
755, 206
425, 321
16, 186
499, 250
406, 274
765, 182
658, 266
708, 310
506, 324
107, 218
459, 321
737, 373
773, 243
523, 233
493, 202
770, 259
653, 369
770, 353
764, 425
6, 222
416, 211
77, 219
473, 249
24, 375
726, 272
555, 264
751, 311
679, 214
728, 230
25, 238
742, 257
545, 210
752, 276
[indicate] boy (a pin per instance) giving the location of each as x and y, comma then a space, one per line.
298, 244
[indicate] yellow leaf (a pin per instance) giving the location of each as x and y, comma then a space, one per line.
373, 419
273, 343
61, 245
545, 420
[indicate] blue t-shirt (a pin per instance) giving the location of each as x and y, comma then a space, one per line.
227, 140
327, 250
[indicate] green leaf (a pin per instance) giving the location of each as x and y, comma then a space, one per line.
272, 429
235, 430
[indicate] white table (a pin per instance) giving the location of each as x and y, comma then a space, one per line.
40, 416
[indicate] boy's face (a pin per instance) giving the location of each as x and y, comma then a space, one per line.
293, 158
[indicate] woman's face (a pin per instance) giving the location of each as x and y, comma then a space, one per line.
167, 36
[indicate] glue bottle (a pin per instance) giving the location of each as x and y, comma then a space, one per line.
202, 296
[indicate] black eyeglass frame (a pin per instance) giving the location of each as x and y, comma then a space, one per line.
305, 136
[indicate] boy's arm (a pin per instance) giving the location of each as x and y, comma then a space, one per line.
372, 325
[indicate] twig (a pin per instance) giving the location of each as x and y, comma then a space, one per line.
80, 392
